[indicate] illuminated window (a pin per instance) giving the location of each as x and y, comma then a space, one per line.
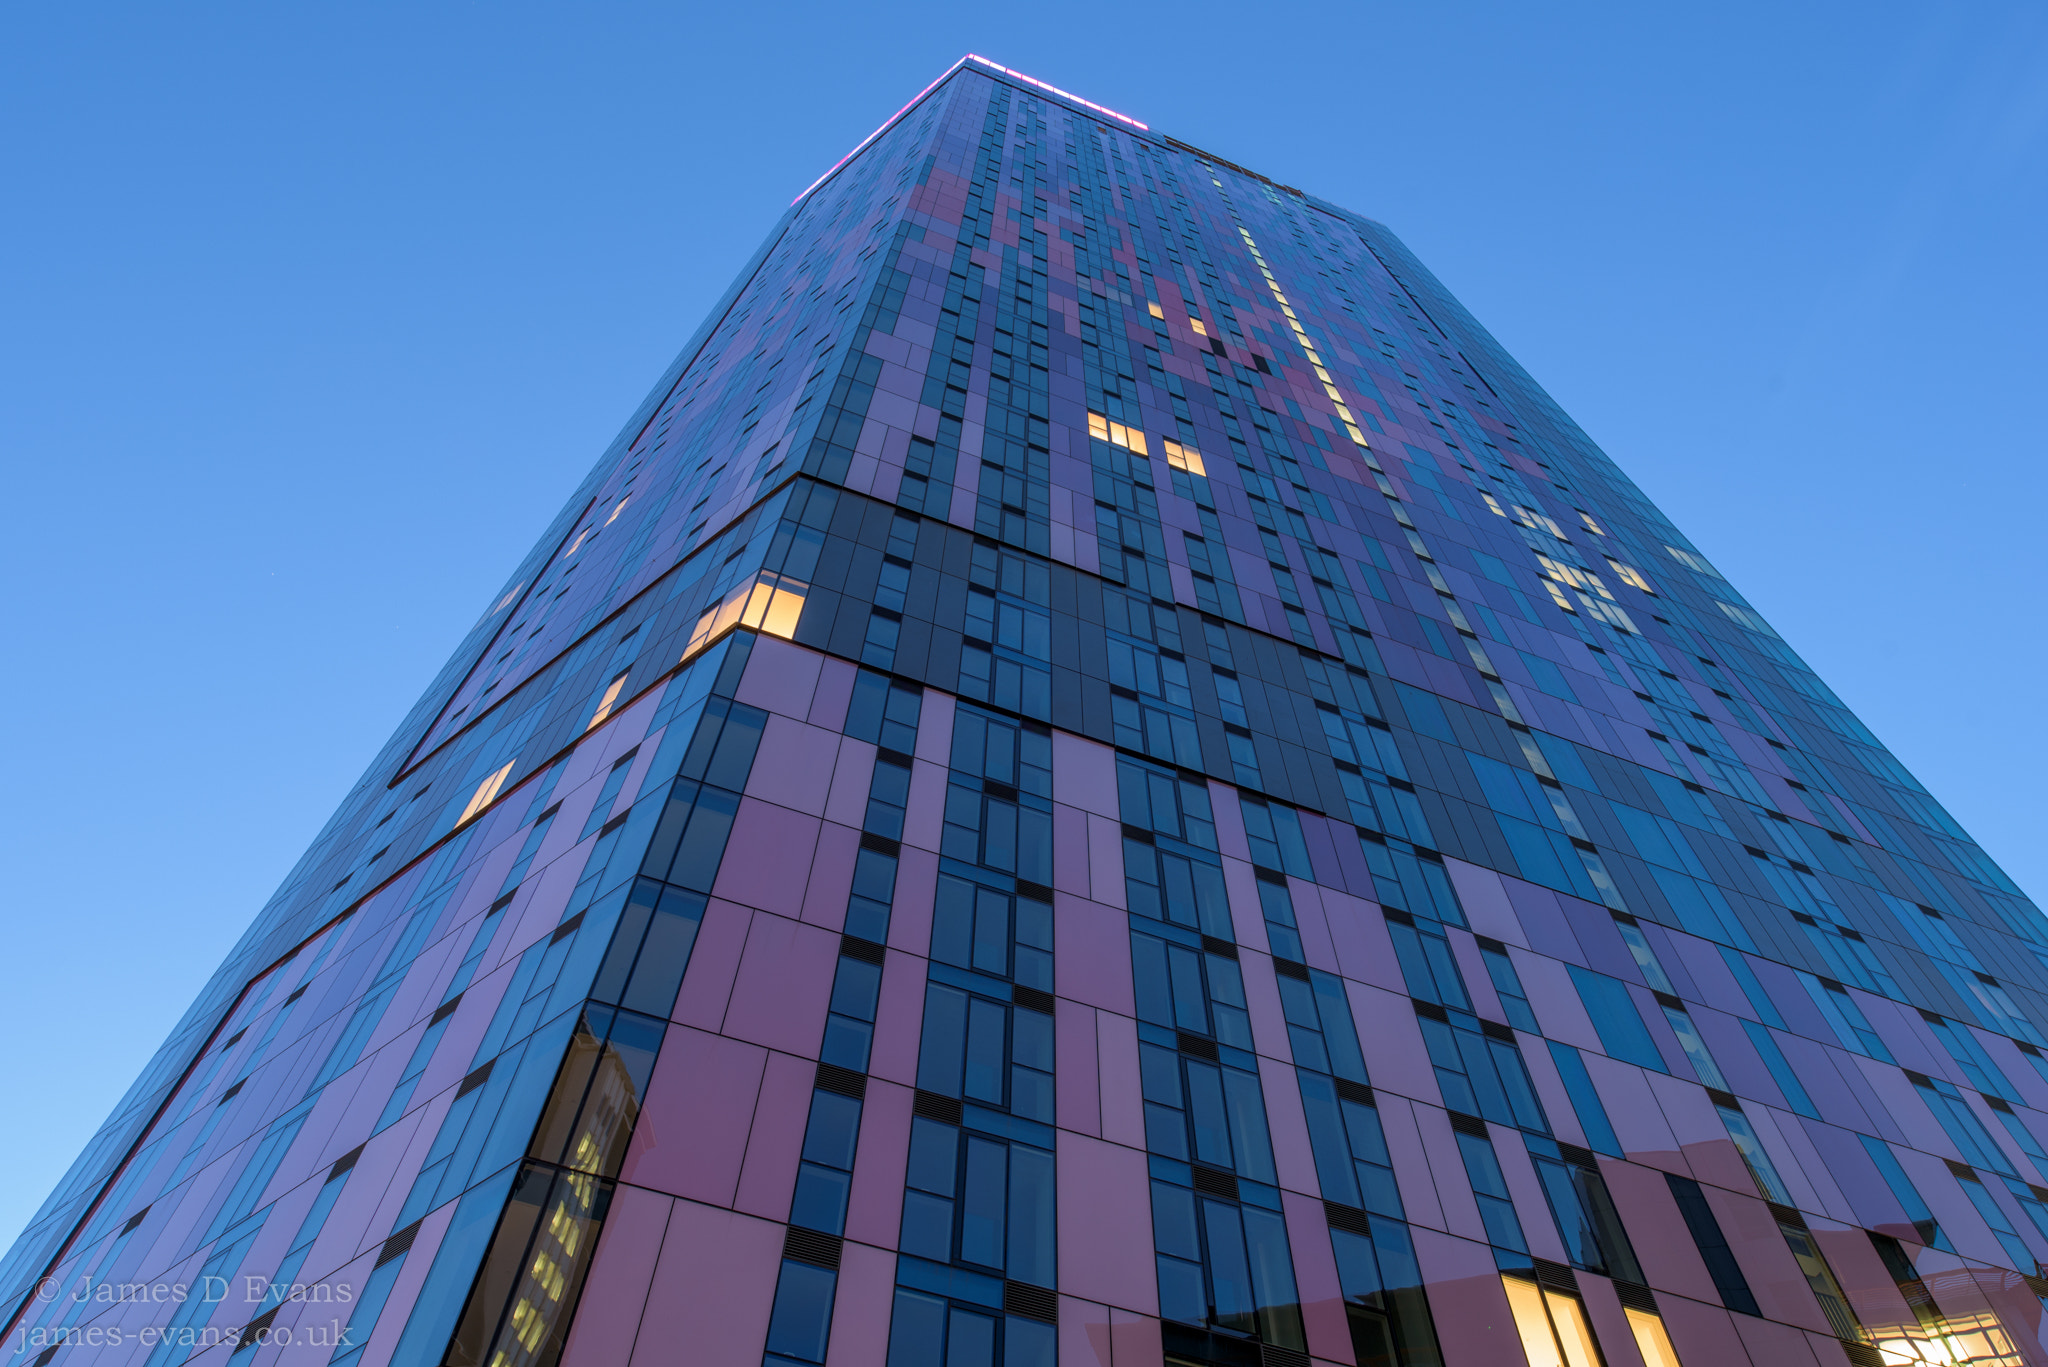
1156, 311
775, 604
606, 703
577, 544
619, 509
1552, 1324
1196, 324
1529, 517
1630, 575
1184, 458
1591, 525
1116, 434
1574, 576
1651, 1339
486, 792
772, 603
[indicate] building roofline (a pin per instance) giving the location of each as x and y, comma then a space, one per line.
1032, 85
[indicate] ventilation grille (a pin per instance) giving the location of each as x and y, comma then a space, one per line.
1468, 1124
841, 1081
1216, 1183
1578, 1157
1034, 1302
809, 1246
399, 1244
932, 1106
854, 947
1346, 1217
475, 1080
1034, 998
1636, 1296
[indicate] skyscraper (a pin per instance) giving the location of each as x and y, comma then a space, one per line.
1097, 777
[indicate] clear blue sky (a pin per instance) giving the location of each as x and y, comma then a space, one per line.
313, 314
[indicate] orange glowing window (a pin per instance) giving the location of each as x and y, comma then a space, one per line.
772, 603
486, 792
775, 605
607, 702
1116, 434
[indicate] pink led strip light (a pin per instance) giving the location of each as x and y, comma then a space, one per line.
1029, 80
890, 122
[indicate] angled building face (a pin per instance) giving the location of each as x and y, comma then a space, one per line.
1097, 777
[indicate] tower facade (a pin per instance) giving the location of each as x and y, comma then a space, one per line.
1097, 778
